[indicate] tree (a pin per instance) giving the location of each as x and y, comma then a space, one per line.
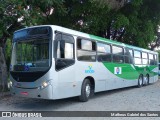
7, 24
135, 22
83, 15
16, 14
93, 17
144, 18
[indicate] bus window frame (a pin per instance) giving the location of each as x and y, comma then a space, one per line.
83, 38
137, 57
56, 48
102, 52
131, 61
156, 60
132, 56
145, 58
122, 55
150, 59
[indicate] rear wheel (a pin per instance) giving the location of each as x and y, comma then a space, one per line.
85, 91
146, 80
140, 81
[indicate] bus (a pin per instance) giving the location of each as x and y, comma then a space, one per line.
53, 62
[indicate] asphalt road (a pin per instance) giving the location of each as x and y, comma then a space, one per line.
146, 98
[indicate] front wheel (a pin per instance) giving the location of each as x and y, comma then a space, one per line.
140, 81
85, 91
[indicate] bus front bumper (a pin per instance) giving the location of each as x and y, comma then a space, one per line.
45, 93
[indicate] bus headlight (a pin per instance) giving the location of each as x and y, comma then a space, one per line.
45, 84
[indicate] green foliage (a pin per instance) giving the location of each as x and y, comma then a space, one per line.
137, 3
120, 21
139, 18
143, 16
88, 16
32, 12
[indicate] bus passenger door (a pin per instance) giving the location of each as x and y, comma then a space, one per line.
64, 65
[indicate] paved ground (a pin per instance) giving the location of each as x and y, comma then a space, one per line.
127, 99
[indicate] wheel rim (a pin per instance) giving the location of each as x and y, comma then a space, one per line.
145, 80
88, 90
140, 81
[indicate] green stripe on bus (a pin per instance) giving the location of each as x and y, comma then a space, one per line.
119, 43
130, 72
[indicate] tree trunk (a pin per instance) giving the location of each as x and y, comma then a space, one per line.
109, 32
121, 36
115, 35
3, 69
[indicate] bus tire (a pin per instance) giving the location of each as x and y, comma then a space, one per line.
85, 91
146, 80
140, 81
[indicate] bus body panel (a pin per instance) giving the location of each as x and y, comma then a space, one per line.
104, 79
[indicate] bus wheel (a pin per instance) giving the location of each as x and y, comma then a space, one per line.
85, 91
146, 81
140, 81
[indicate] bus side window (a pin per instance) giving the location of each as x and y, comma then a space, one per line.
65, 50
128, 55
155, 60
117, 54
151, 59
103, 52
144, 58
131, 56
86, 50
137, 57
64, 47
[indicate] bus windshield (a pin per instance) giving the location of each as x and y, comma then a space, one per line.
30, 55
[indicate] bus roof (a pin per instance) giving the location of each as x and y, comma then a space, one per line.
93, 37
89, 36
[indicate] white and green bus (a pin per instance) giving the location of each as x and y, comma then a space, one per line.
53, 62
